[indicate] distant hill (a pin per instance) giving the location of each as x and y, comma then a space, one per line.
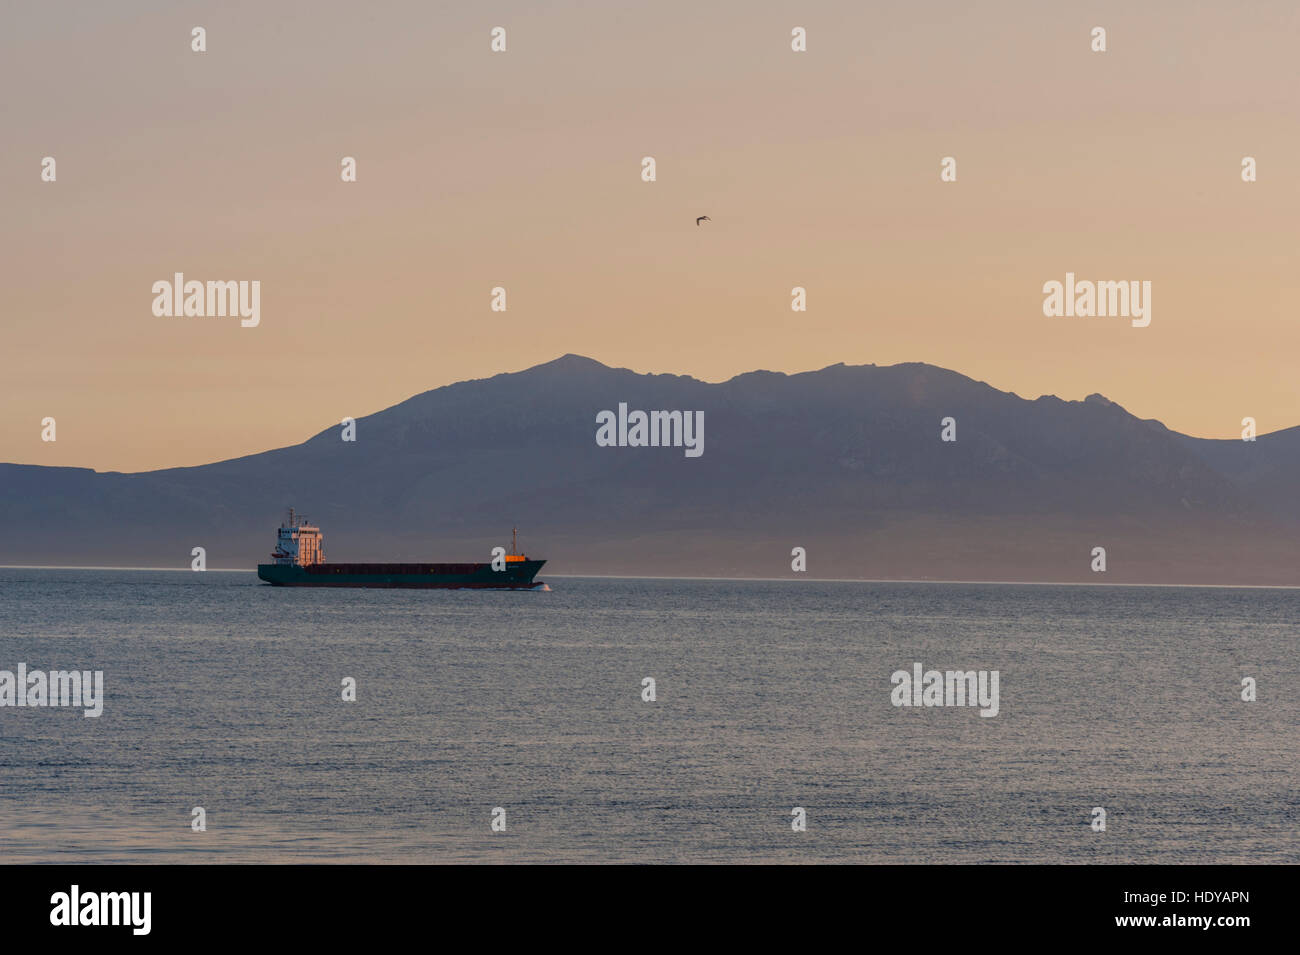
846, 462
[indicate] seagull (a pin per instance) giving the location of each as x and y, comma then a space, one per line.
700, 219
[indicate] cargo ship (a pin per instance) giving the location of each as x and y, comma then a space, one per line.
299, 561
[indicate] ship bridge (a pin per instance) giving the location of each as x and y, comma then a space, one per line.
298, 543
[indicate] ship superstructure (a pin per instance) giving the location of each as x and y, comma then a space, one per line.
298, 543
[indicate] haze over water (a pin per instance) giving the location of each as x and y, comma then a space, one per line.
224, 693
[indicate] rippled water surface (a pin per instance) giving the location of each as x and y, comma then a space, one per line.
225, 693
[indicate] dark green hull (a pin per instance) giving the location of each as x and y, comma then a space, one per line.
518, 575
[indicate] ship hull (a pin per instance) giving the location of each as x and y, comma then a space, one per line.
518, 575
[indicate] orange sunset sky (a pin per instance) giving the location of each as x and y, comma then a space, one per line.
522, 169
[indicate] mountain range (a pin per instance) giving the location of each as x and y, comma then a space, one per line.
846, 462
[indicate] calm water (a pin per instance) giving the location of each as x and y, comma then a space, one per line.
225, 693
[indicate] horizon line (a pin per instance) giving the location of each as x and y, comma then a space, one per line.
822, 580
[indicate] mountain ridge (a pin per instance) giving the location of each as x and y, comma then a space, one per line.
841, 458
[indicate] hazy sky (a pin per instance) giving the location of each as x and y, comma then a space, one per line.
522, 169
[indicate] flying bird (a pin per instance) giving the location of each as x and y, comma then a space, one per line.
700, 219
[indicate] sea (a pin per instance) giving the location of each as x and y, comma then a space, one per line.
515, 726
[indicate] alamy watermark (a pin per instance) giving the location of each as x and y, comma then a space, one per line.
654, 429
82, 688
75, 907
179, 298
946, 688
1087, 299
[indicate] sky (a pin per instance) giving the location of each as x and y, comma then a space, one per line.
522, 169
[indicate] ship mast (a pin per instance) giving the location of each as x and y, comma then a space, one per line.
514, 541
